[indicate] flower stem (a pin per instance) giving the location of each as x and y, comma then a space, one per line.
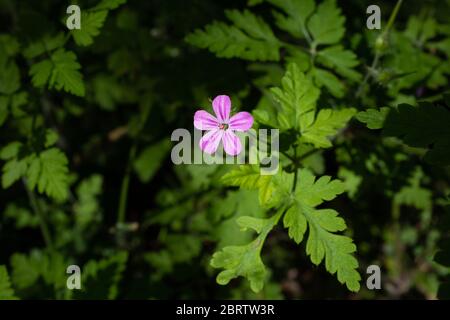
378, 53
393, 16
124, 190
42, 219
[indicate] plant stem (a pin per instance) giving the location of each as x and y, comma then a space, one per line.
287, 155
367, 76
378, 53
307, 154
392, 17
42, 219
398, 245
125, 186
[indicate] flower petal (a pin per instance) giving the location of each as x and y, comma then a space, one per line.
231, 143
241, 121
210, 141
205, 121
222, 106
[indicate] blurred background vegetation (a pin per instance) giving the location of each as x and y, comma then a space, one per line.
141, 227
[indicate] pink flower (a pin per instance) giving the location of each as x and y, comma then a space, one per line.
222, 127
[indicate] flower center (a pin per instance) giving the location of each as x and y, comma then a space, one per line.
223, 126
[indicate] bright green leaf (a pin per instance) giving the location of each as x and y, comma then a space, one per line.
373, 118
91, 23
326, 125
327, 24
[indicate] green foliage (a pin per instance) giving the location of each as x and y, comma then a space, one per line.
297, 97
38, 266
249, 177
101, 278
430, 123
23, 217
46, 171
322, 242
87, 207
326, 124
245, 260
373, 118
297, 14
6, 292
91, 24
60, 71
85, 123
249, 38
149, 161
414, 60
330, 32
92, 21
297, 102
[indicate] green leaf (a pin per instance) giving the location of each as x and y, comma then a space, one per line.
341, 60
322, 223
330, 81
51, 137
425, 126
373, 118
109, 4
53, 174
13, 170
6, 291
249, 38
28, 269
229, 210
23, 217
91, 23
327, 24
245, 260
249, 177
413, 194
337, 250
297, 96
46, 44
9, 78
11, 150
149, 161
41, 72
247, 222
65, 73
101, 279
87, 207
297, 13
25, 270
326, 124
351, 181
33, 171
61, 71
296, 224
8, 45
18, 100
242, 261
314, 192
